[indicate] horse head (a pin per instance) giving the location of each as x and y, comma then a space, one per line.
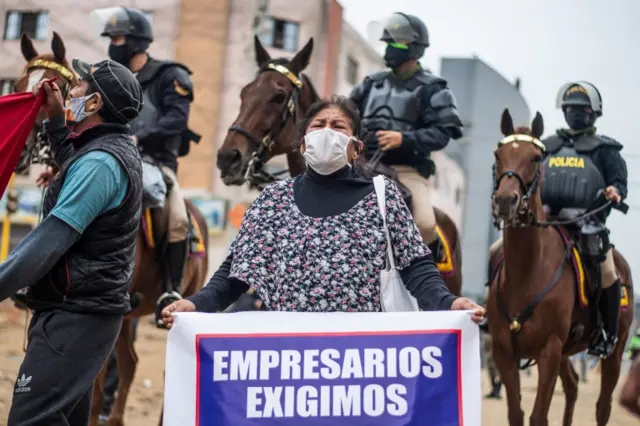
270, 106
46, 66
517, 167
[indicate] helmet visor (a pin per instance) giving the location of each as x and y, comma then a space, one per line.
395, 29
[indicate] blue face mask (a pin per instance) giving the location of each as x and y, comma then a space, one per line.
77, 107
395, 56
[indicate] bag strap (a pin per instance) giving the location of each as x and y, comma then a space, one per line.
378, 184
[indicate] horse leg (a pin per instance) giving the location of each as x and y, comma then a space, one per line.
630, 393
510, 377
127, 361
569, 379
97, 397
549, 363
610, 372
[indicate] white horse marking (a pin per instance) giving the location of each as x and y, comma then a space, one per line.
34, 78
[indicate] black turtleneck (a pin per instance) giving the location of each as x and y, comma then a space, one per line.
319, 195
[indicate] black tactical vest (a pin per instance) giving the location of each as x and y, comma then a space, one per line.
570, 180
168, 150
95, 274
396, 104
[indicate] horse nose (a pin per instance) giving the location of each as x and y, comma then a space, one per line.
228, 160
506, 203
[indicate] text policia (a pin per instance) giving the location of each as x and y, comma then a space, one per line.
323, 366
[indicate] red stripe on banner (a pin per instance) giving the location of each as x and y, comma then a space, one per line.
18, 113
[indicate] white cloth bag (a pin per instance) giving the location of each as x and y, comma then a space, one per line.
394, 296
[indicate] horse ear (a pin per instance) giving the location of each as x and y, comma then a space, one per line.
57, 46
26, 45
262, 56
506, 123
537, 126
301, 60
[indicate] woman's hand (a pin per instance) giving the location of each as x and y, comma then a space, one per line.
182, 305
464, 304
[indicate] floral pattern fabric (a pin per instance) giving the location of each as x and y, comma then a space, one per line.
300, 263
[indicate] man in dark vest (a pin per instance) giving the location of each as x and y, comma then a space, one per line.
161, 128
78, 262
578, 164
407, 113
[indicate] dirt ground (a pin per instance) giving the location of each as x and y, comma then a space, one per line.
145, 400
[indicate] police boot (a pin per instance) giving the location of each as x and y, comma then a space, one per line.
496, 386
175, 260
437, 250
20, 299
610, 307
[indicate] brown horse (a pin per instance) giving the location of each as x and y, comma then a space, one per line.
536, 308
271, 105
148, 273
46, 66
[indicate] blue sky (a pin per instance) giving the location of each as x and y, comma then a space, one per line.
546, 43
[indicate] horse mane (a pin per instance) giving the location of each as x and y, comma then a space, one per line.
523, 130
285, 62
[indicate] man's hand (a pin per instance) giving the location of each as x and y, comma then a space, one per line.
53, 102
388, 139
135, 139
45, 177
464, 304
182, 305
611, 193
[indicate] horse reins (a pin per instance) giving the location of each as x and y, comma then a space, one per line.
255, 174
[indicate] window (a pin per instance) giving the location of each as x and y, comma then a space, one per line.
280, 34
7, 85
352, 70
33, 24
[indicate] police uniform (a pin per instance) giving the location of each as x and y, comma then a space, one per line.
578, 164
161, 128
417, 104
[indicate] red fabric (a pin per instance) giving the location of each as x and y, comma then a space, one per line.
18, 112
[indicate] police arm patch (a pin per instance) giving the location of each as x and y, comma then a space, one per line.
180, 90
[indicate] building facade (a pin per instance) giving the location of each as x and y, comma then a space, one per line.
214, 38
482, 94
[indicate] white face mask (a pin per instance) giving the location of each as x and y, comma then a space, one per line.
326, 150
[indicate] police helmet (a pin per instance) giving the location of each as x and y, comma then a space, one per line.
128, 22
403, 28
580, 93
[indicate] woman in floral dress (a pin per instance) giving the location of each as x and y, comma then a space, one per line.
316, 242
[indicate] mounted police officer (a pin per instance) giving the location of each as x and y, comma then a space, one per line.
406, 114
579, 163
161, 128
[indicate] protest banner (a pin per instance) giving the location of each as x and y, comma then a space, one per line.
316, 369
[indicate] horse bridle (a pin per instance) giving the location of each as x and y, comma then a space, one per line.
527, 188
39, 152
255, 175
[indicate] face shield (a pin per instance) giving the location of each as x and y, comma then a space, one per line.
589, 90
112, 19
394, 30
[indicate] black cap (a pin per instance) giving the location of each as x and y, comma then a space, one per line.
120, 90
